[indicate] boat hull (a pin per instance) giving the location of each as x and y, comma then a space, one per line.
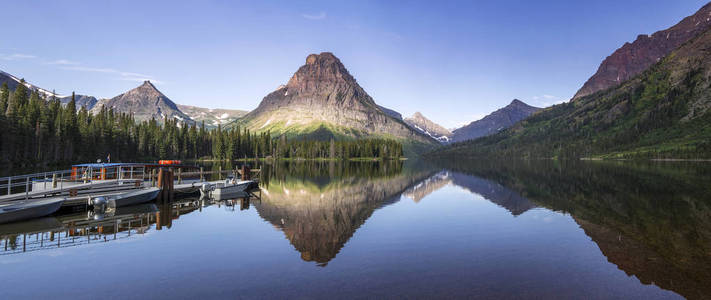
221, 191
24, 210
135, 197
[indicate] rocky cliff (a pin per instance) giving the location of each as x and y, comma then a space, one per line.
633, 58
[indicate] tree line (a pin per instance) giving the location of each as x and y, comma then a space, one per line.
36, 130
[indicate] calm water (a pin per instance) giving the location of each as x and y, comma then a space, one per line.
369, 230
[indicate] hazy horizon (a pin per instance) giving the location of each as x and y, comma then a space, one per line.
454, 62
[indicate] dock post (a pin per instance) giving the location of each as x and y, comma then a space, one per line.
153, 177
27, 187
165, 183
180, 173
9, 183
202, 177
54, 180
219, 174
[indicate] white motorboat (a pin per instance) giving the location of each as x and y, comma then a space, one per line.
29, 209
126, 199
229, 189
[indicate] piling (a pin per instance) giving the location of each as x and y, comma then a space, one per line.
165, 183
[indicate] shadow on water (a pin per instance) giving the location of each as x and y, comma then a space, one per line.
652, 219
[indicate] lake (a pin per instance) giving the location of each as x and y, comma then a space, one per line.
412, 229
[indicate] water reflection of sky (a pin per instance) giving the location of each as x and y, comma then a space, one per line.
452, 242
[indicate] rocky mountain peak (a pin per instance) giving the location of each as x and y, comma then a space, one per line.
323, 94
516, 102
320, 70
420, 123
145, 102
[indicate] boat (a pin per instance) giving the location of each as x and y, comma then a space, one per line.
29, 209
124, 212
125, 199
229, 189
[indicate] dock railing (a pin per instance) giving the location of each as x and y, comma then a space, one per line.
44, 184
56, 181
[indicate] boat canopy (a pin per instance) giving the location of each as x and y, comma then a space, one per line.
108, 165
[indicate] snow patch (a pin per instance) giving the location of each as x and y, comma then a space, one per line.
266, 123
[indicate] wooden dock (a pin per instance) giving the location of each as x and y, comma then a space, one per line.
80, 187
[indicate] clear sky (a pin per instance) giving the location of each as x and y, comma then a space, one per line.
453, 61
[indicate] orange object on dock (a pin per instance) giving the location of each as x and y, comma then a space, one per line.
168, 162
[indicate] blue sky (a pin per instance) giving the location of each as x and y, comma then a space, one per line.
453, 61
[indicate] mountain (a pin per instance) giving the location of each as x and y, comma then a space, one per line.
212, 117
80, 100
424, 125
633, 58
323, 101
661, 113
500, 119
391, 112
144, 102
13, 81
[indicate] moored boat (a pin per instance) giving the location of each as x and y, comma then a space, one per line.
227, 190
126, 199
29, 209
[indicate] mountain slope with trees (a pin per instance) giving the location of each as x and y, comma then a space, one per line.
662, 113
633, 58
39, 131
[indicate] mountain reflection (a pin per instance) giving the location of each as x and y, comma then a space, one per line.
490, 190
319, 206
652, 220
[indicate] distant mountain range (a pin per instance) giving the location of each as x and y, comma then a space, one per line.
323, 101
498, 120
212, 117
633, 58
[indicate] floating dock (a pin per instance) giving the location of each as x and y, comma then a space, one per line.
86, 181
